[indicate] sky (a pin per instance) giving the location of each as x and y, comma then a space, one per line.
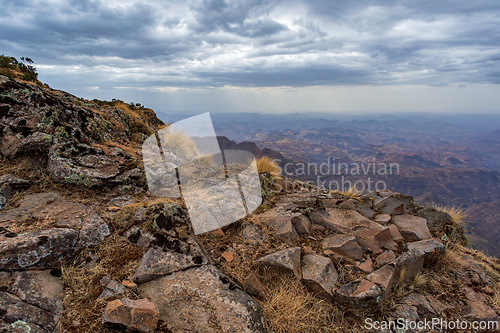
265, 56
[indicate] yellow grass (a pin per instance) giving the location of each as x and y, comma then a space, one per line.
290, 308
350, 192
457, 213
266, 164
178, 143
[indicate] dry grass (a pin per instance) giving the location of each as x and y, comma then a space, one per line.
178, 143
457, 213
266, 164
496, 299
350, 192
291, 308
136, 122
420, 280
127, 149
83, 310
30, 224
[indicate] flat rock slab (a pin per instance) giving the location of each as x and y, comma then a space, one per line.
287, 260
346, 220
50, 206
382, 277
203, 299
413, 228
319, 275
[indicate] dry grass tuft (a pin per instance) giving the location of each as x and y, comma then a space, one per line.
266, 164
350, 192
457, 213
291, 308
178, 143
420, 280
117, 258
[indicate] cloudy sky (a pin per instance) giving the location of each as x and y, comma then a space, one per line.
265, 56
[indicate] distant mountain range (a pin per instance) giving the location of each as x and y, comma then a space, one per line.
449, 160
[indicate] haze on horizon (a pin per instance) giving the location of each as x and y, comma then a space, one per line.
265, 56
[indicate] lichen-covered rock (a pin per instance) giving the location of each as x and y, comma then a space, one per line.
39, 288
205, 300
13, 309
39, 249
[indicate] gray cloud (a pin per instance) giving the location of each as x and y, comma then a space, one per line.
257, 42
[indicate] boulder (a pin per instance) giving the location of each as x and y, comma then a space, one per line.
393, 203
479, 311
385, 258
436, 219
344, 245
431, 248
319, 275
382, 277
395, 234
406, 313
354, 204
365, 266
205, 300
413, 228
407, 266
287, 260
318, 217
137, 315
287, 232
345, 220
424, 307
360, 294
302, 224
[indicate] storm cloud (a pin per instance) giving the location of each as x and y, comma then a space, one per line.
255, 43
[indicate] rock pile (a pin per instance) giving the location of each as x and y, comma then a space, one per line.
383, 237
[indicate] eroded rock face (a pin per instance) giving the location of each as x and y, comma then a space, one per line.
203, 299
47, 247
